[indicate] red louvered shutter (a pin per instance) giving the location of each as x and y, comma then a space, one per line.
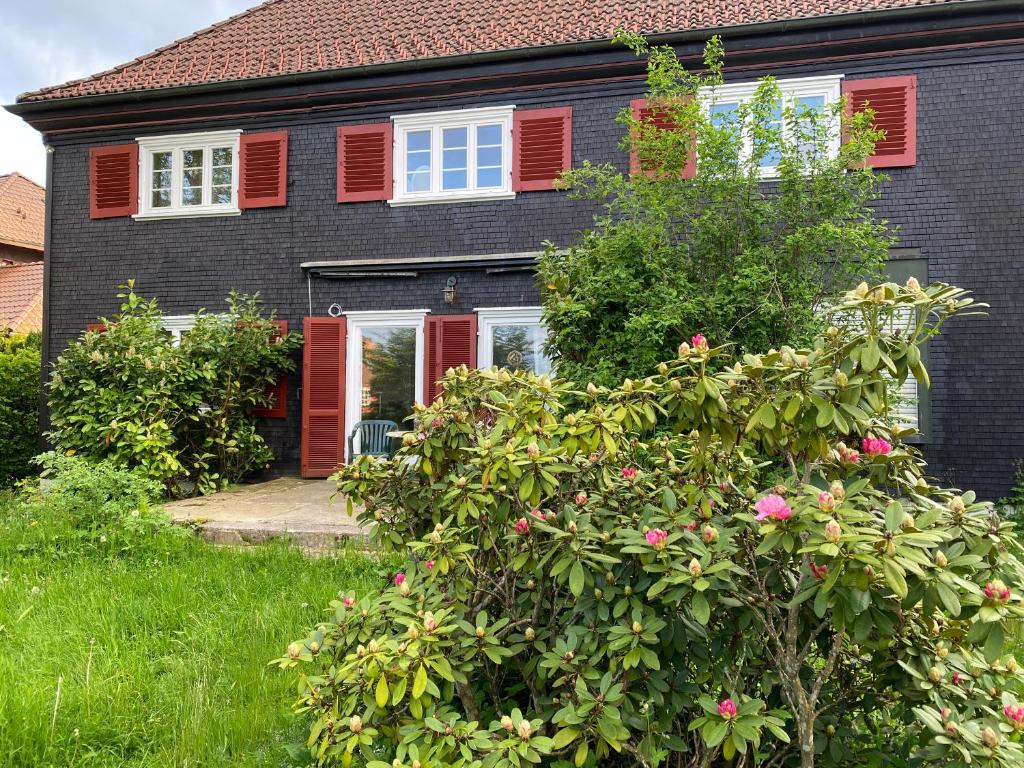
661, 121
323, 396
278, 391
541, 147
364, 163
263, 170
894, 101
450, 342
113, 181
96, 327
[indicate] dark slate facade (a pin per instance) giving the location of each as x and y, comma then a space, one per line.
958, 211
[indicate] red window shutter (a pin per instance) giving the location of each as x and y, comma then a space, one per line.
278, 391
96, 327
659, 120
113, 181
263, 170
541, 147
323, 396
450, 342
364, 163
894, 101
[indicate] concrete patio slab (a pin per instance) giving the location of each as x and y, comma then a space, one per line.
300, 510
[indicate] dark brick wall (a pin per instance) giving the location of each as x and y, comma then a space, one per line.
961, 206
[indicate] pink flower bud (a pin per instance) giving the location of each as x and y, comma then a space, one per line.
629, 473
876, 446
656, 538
522, 526
997, 591
581, 499
833, 531
699, 342
399, 579
820, 572
348, 601
430, 565
826, 501
727, 709
709, 534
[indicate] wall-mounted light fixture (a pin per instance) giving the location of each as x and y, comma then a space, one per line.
449, 290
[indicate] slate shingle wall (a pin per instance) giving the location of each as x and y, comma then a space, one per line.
961, 205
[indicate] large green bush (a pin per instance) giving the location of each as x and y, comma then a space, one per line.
20, 377
721, 252
731, 559
184, 412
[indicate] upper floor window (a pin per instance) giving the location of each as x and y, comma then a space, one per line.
802, 95
189, 174
452, 156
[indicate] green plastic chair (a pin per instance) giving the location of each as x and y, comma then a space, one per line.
373, 438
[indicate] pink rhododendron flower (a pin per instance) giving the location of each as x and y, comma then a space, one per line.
820, 572
958, 678
430, 565
1015, 715
727, 708
691, 526
629, 473
826, 501
581, 498
537, 513
875, 446
399, 579
348, 601
656, 538
772, 506
997, 590
522, 526
699, 342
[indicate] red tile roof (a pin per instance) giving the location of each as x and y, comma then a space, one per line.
21, 297
22, 210
301, 36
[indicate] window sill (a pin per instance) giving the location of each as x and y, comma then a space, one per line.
462, 198
187, 214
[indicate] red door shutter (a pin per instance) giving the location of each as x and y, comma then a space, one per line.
278, 391
263, 170
541, 147
661, 121
450, 342
364, 163
113, 181
894, 101
323, 396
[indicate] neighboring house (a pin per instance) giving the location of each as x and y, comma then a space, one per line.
21, 298
22, 210
382, 174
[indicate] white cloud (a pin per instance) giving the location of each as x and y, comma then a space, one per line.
46, 42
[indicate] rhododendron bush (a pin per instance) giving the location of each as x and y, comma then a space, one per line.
730, 560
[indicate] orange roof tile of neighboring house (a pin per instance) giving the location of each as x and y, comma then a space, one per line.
303, 36
22, 211
21, 297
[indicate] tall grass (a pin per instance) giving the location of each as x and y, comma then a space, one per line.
157, 660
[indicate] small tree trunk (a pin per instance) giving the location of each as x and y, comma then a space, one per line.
805, 733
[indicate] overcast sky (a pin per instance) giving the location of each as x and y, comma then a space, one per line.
45, 42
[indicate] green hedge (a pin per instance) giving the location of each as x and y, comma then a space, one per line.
19, 405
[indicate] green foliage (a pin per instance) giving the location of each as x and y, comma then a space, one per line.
20, 375
80, 505
685, 569
183, 412
722, 252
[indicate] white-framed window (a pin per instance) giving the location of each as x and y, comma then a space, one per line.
513, 338
177, 325
806, 93
383, 367
459, 155
188, 174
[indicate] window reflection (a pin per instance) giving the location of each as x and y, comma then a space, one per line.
389, 373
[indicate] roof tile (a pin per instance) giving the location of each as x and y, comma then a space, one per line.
296, 36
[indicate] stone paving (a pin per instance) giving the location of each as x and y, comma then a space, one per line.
300, 510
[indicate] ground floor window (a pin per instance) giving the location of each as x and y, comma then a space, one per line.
384, 365
178, 326
512, 338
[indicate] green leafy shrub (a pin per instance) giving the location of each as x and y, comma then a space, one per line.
184, 412
82, 505
20, 377
729, 558
721, 252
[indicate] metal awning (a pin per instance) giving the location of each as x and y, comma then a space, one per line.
354, 269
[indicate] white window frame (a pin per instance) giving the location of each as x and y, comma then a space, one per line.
175, 144
177, 325
435, 122
488, 318
828, 86
356, 322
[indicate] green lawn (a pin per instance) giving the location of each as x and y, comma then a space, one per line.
158, 661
